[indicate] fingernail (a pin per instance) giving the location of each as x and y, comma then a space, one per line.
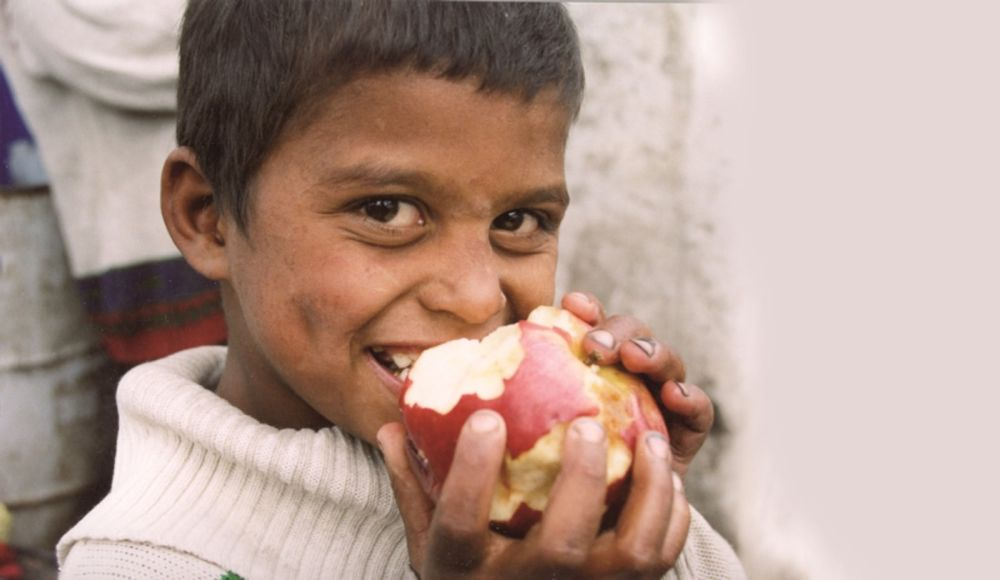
683, 389
581, 296
648, 345
589, 430
483, 421
603, 338
678, 484
657, 444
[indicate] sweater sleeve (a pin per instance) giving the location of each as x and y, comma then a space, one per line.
100, 559
706, 556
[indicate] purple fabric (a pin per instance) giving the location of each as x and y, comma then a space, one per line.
13, 131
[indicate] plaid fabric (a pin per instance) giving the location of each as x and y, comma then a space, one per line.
147, 311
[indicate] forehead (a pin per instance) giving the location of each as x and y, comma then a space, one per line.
406, 90
415, 121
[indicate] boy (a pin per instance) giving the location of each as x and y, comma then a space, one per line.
364, 177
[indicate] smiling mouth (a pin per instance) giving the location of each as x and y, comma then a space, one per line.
397, 362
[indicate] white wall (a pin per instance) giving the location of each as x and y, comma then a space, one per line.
804, 199
867, 232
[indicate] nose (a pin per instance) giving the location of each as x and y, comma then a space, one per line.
465, 282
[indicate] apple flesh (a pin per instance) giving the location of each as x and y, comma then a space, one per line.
534, 374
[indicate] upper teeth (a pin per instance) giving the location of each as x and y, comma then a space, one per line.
398, 362
403, 360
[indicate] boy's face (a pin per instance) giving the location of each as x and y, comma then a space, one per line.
407, 212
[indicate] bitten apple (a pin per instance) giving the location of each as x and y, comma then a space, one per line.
534, 374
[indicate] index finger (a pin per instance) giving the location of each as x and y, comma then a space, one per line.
559, 545
459, 531
653, 358
584, 306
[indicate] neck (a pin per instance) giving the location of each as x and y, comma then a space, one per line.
252, 391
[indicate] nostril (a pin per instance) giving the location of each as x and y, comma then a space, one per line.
467, 300
464, 280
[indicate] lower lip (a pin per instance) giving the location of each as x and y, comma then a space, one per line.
390, 380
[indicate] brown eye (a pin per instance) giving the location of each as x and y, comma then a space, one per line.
517, 221
393, 212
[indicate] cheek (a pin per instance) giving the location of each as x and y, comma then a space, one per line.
532, 283
335, 296
341, 291
287, 294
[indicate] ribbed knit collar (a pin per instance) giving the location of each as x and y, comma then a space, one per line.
196, 474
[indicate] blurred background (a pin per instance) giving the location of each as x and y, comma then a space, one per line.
802, 199
650, 167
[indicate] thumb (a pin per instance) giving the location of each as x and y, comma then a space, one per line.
414, 505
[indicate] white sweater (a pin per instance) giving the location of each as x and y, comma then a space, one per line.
200, 489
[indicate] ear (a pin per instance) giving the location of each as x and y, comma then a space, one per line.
191, 215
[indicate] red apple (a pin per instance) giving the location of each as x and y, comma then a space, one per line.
534, 374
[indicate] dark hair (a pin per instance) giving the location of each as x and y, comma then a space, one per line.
249, 67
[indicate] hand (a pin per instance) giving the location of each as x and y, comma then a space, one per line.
453, 540
623, 339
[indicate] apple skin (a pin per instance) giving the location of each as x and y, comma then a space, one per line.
533, 374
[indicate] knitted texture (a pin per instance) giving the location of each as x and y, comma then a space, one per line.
197, 476
201, 489
706, 555
112, 560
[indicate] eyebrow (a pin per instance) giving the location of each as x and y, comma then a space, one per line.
556, 194
378, 175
